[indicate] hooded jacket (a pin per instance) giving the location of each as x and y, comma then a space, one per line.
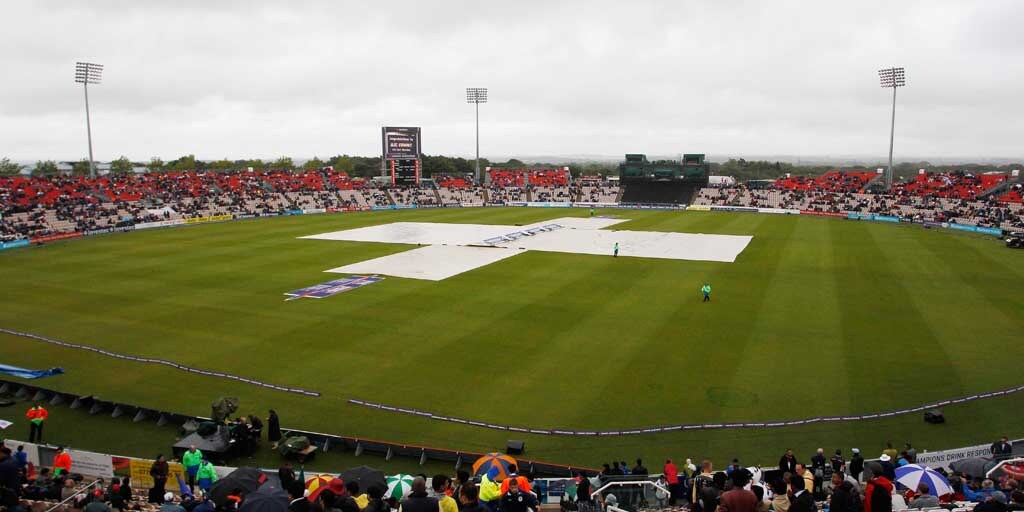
878, 495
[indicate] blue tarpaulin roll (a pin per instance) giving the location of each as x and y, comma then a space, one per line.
29, 374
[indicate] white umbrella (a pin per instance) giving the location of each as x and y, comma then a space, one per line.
913, 475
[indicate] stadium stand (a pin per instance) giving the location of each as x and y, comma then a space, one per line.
36, 207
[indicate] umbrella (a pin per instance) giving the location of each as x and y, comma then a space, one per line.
974, 466
316, 481
493, 460
913, 475
365, 476
246, 479
268, 498
399, 486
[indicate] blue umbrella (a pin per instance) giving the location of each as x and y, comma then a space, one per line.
913, 475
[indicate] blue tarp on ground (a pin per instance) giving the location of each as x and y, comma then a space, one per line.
29, 374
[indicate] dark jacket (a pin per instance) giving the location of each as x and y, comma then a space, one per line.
856, 466
802, 503
517, 501
787, 464
273, 428
419, 502
842, 499
9, 477
300, 505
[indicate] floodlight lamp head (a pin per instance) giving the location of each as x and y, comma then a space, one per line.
476, 95
892, 77
88, 73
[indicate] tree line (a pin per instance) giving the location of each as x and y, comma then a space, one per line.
438, 165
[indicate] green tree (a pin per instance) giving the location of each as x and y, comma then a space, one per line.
80, 168
185, 163
44, 168
344, 163
222, 165
9, 168
315, 163
256, 164
283, 164
121, 166
155, 164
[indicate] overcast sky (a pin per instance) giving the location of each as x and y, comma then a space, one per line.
262, 79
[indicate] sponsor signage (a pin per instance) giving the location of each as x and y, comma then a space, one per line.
822, 214
55, 237
14, 245
521, 234
401, 142
747, 209
335, 287
542, 204
698, 208
781, 211
120, 229
159, 224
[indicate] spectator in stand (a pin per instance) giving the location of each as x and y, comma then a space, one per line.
582, 488
703, 496
739, 499
1002, 448
780, 498
1016, 501
524, 484
911, 453
286, 475
169, 504
353, 490
515, 500
204, 504
878, 492
191, 459
994, 503
837, 461
376, 502
856, 464
490, 490
890, 451
672, 477
788, 462
61, 462
888, 468
418, 501
297, 501
461, 479
923, 499
845, 498
818, 469
159, 471
442, 484
800, 499
469, 499
9, 477
36, 416
804, 473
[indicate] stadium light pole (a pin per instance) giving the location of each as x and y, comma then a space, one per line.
88, 73
477, 95
891, 78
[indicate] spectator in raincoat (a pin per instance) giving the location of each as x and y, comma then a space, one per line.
490, 490
206, 475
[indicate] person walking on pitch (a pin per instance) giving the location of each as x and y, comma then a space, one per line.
615, 253
36, 416
706, 290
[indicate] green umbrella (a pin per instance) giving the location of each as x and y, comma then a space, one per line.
399, 486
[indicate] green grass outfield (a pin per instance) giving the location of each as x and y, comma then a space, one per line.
816, 317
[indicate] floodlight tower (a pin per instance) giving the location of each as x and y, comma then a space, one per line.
88, 73
477, 95
891, 78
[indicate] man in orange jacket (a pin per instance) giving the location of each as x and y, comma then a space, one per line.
61, 462
36, 416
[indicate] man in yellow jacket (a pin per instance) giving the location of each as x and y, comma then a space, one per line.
490, 490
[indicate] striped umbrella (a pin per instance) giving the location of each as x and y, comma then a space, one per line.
399, 486
913, 475
316, 481
493, 460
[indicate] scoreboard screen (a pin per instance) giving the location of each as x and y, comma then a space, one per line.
405, 171
400, 142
